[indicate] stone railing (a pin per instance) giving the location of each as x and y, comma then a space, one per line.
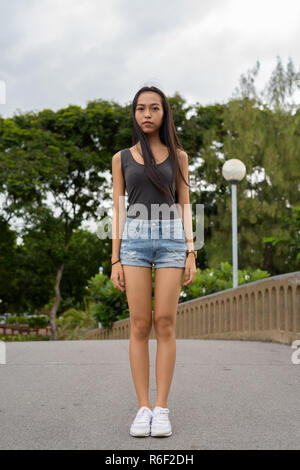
265, 310
7, 329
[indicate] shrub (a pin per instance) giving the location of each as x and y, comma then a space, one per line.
74, 324
108, 303
211, 280
29, 337
17, 320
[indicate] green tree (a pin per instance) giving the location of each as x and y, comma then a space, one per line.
57, 157
268, 143
9, 291
292, 241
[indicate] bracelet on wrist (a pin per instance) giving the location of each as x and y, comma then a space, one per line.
191, 251
115, 262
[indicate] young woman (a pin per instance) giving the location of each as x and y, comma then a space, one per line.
153, 234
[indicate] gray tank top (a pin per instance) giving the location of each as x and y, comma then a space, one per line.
141, 190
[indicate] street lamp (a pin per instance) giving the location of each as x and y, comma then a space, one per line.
234, 171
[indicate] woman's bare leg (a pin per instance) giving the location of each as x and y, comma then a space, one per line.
138, 283
168, 282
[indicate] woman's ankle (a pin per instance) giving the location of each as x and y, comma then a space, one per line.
161, 405
144, 404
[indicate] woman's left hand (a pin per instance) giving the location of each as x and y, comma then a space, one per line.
190, 270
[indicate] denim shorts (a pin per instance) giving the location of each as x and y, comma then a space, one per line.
153, 243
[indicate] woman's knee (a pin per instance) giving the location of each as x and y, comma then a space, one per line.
164, 327
140, 329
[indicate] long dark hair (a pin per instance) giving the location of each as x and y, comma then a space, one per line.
168, 136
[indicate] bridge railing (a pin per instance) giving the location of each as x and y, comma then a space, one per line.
264, 310
7, 329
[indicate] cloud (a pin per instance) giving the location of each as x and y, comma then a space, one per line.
54, 53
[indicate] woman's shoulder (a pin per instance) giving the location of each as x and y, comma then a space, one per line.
117, 155
182, 155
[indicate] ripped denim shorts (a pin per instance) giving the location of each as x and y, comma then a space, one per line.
153, 243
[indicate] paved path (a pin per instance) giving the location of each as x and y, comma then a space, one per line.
80, 395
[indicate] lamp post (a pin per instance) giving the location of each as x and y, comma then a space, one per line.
234, 171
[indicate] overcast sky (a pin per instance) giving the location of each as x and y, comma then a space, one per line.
60, 52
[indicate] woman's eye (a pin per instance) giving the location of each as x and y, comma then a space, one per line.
141, 109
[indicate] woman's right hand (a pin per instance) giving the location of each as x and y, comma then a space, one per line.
117, 276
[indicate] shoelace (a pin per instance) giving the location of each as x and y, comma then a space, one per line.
143, 416
161, 415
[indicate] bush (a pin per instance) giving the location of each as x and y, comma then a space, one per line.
210, 280
108, 303
38, 321
74, 324
29, 337
17, 320
33, 321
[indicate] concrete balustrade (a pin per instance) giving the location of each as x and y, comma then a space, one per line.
265, 310
7, 329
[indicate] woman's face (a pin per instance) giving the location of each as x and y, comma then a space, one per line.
149, 108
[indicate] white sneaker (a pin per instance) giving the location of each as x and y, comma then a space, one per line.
142, 422
161, 425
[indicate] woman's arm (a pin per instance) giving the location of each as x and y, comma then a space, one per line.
183, 192
119, 211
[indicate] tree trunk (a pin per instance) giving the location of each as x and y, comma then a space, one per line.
55, 306
268, 258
